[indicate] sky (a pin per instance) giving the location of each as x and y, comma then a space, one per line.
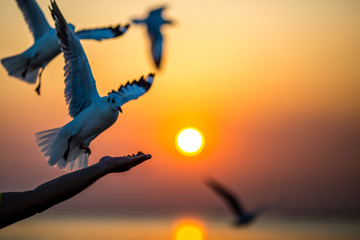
273, 85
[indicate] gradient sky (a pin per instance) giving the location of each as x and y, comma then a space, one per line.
273, 85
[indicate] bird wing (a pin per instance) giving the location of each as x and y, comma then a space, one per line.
135, 89
153, 14
80, 87
138, 21
156, 47
229, 198
156, 12
34, 17
102, 33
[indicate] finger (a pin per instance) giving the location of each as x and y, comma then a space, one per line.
144, 157
137, 159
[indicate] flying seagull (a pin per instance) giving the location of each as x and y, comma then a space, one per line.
153, 22
26, 66
242, 217
67, 147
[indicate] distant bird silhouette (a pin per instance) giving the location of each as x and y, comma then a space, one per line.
26, 65
154, 22
67, 147
242, 217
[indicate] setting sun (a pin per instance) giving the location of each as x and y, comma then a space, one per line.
188, 231
190, 142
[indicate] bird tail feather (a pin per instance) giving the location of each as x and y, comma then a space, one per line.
17, 66
77, 159
53, 146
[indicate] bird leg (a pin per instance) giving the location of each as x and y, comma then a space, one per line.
39, 85
66, 154
87, 150
27, 66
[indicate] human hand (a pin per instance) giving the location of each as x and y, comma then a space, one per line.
124, 163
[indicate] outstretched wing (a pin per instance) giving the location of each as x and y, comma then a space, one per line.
135, 89
80, 89
138, 21
34, 17
229, 198
156, 13
102, 33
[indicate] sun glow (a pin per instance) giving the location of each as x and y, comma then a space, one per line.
188, 231
190, 141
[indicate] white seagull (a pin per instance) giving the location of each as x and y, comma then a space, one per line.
26, 66
242, 217
67, 147
153, 22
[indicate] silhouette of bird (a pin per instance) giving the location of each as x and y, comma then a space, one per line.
154, 22
242, 217
26, 66
67, 147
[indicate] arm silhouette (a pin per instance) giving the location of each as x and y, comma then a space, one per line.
16, 206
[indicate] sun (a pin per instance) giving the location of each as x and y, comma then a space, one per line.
188, 231
190, 141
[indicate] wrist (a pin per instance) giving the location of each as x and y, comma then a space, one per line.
102, 167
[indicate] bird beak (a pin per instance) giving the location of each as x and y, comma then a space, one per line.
119, 108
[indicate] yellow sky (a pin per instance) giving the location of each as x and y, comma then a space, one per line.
273, 85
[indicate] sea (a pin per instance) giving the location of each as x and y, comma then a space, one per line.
166, 227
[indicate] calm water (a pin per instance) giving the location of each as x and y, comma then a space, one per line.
158, 228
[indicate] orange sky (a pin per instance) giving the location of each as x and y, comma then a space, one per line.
273, 85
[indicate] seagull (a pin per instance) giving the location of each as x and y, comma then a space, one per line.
26, 66
67, 147
153, 22
242, 217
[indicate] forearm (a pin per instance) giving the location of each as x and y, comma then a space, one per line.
16, 206
68, 185
19, 205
